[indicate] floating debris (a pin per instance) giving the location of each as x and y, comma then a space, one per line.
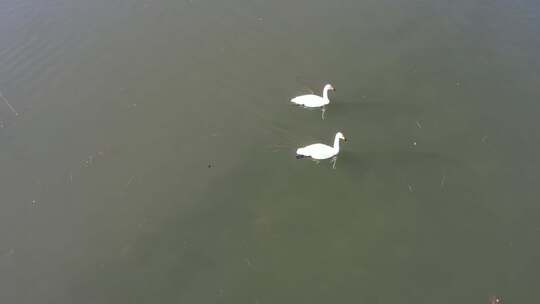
8, 104
130, 181
443, 180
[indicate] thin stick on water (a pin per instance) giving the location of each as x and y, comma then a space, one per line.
129, 181
418, 125
443, 178
8, 104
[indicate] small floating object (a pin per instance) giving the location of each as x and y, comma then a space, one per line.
495, 300
315, 101
321, 151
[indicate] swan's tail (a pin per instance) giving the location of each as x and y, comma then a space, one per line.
300, 153
297, 101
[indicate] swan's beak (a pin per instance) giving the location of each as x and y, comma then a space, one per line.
345, 139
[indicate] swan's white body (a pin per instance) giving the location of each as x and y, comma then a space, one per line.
314, 101
321, 151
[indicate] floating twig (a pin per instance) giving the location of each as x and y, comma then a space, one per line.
8, 104
130, 180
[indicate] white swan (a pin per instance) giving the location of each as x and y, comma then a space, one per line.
321, 151
314, 101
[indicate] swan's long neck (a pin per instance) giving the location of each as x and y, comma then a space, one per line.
336, 143
325, 92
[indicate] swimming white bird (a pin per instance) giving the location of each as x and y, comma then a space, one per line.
315, 101
321, 151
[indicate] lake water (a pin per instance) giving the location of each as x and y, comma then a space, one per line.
152, 157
